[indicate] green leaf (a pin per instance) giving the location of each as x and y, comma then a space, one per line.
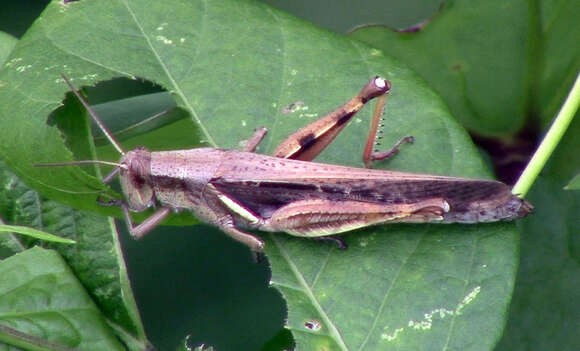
557, 55
7, 43
95, 258
124, 118
479, 70
574, 183
236, 65
33, 233
40, 296
404, 287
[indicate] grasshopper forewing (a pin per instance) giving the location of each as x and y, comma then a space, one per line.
235, 189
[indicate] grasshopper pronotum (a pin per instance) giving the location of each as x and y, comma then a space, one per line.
234, 189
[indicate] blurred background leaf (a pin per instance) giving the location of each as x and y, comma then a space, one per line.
40, 297
95, 258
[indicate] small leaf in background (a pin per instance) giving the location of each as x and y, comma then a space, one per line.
555, 61
574, 183
7, 43
40, 296
34, 233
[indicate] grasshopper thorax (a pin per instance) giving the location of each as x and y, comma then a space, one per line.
135, 178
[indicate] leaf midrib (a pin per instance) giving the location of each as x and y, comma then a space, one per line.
176, 86
333, 330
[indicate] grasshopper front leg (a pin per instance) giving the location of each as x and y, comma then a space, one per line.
311, 140
370, 155
136, 231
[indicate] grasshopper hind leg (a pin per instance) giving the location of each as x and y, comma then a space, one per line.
322, 217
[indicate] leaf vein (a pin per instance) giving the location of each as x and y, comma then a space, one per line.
333, 330
178, 90
466, 284
387, 294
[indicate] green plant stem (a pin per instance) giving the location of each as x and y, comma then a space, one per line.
551, 140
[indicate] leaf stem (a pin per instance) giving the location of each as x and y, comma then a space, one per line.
14, 337
551, 140
35, 233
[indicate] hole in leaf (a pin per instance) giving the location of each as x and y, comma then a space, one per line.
293, 107
136, 112
312, 324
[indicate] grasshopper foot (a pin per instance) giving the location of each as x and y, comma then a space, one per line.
258, 257
109, 203
368, 158
392, 151
340, 243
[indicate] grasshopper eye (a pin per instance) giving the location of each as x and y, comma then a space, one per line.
382, 84
375, 87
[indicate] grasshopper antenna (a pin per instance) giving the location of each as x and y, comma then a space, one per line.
80, 163
94, 116
107, 178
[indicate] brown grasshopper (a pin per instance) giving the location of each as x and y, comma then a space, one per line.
234, 189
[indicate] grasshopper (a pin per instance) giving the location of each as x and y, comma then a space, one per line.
285, 192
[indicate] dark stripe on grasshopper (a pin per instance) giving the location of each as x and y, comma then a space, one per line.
461, 195
344, 118
310, 140
307, 141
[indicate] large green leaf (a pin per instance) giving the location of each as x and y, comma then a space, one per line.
41, 297
235, 65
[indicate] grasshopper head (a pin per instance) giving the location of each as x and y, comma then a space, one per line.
135, 179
